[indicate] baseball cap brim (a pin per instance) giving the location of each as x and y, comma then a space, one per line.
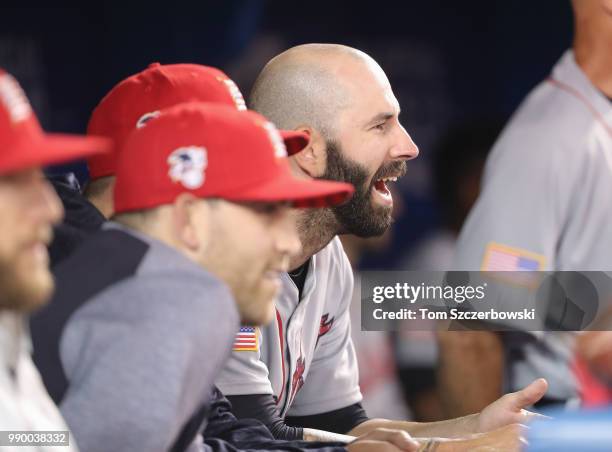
53, 148
300, 192
294, 141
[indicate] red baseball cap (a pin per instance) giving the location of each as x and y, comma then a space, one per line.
213, 151
140, 97
23, 143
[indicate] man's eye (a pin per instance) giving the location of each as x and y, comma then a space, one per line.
380, 126
266, 208
269, 209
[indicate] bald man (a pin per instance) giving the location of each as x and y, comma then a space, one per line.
299, 375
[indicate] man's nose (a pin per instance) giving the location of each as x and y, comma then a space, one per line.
51, 208
404, 148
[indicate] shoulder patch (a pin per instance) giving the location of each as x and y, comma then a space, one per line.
246, 340
498, 257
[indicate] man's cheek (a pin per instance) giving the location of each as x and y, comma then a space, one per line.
9, 250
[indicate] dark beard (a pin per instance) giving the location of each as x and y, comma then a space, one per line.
359, 216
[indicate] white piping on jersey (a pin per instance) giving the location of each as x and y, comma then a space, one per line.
288, 386
281, 337
578, 95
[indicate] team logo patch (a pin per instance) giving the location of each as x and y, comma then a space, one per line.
246, 340
14, 99
187, 166
146, 118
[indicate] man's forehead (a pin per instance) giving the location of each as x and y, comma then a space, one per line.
373, 101
364, 78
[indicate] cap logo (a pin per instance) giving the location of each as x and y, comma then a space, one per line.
14, 99
235, 93
187, 166
146, 118
280, 150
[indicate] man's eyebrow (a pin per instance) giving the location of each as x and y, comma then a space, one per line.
381, 117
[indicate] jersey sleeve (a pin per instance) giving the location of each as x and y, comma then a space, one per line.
338, 421
245, 372
249, 434
333, 379
263, 407
523, 207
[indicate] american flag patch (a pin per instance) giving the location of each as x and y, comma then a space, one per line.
246, 340
513, 265
500, 258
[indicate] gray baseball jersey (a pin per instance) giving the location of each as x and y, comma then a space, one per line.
546, 204
305, 357
150, 331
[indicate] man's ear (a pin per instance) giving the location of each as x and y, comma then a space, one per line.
184, 214
312, 159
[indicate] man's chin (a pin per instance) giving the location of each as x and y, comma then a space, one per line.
375, 221
27, 294
366, 228
260, 308
384, 214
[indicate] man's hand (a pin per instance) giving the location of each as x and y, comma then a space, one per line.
510, 408
384, 440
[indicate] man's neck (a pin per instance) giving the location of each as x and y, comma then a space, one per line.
593, 55
316, 227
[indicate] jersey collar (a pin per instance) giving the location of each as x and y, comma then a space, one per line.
567, 72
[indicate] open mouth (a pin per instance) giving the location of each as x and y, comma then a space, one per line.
381, 188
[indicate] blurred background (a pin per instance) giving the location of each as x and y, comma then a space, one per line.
458, 68
451, 64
